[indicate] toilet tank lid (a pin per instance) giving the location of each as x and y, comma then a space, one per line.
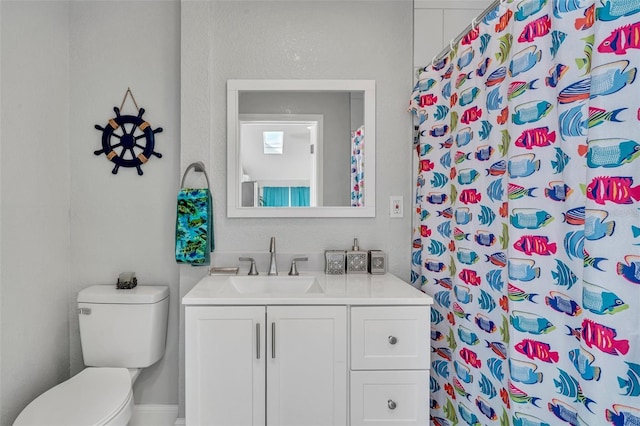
141, 294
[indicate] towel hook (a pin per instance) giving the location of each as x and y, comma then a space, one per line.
198, 167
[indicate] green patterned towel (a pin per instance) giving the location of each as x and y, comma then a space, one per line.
194, 227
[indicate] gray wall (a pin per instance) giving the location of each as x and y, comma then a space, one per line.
125, 222
299, 40
67, 222
35, 202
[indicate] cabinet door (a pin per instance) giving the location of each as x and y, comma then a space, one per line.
225, 368
306, 365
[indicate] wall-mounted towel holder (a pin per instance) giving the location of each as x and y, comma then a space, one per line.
198, 167
194, 221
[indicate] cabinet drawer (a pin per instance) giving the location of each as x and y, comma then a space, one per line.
390, 338
389, 398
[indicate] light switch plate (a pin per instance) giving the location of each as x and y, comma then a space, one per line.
395, 206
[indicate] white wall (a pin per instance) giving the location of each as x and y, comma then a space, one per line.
292, 164
305, 40
67, 222
35, 201
125, 222
436, 22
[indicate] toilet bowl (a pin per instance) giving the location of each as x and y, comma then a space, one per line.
121, 331
94, 397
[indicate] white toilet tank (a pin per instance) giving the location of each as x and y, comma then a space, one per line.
123, 328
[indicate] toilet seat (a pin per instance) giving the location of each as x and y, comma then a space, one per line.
95, 396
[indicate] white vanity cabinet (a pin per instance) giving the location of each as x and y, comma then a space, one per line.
273, 365
390, 352
350, 349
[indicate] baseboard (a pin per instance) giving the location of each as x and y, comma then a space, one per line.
154, 415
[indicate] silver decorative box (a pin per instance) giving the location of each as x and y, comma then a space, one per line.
357, 262
377, 262
334, 262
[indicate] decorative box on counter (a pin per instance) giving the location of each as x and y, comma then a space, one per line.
334, 262
377, 262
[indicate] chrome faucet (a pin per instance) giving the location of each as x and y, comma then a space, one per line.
273, 269
294, 269
252, 269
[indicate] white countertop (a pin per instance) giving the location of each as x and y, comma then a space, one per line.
348, 289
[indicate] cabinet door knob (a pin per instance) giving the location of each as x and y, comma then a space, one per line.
393, 340
391, 404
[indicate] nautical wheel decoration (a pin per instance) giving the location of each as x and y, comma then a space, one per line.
128, 140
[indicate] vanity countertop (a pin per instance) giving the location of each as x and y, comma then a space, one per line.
348, 289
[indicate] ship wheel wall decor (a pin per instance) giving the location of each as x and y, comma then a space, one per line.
132, 137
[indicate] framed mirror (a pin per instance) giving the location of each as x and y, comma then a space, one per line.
301, 148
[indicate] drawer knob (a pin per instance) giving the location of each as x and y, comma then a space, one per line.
393, 340
391, 404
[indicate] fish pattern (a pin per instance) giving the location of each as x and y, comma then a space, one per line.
357, 167
527, 218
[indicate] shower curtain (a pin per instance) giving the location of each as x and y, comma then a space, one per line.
527, 228
357, 167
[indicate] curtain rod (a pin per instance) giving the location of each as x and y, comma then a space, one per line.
466, 31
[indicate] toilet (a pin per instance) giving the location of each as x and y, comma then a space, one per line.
121, 331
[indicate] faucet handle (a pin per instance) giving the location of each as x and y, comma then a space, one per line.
294, 269
252, 269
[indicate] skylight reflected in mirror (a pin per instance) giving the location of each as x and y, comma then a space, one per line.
273, 142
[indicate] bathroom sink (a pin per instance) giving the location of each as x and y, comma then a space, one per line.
274, 285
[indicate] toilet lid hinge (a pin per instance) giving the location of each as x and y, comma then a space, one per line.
84, 311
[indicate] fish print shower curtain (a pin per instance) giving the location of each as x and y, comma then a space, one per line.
528, 216
357, 167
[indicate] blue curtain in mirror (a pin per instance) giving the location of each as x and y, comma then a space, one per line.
275, 196
300, 196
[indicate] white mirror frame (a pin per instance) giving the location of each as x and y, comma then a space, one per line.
233, 151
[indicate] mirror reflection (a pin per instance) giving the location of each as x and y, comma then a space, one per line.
301, 148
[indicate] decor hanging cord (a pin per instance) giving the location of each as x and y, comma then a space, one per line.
464, 32
129, 93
